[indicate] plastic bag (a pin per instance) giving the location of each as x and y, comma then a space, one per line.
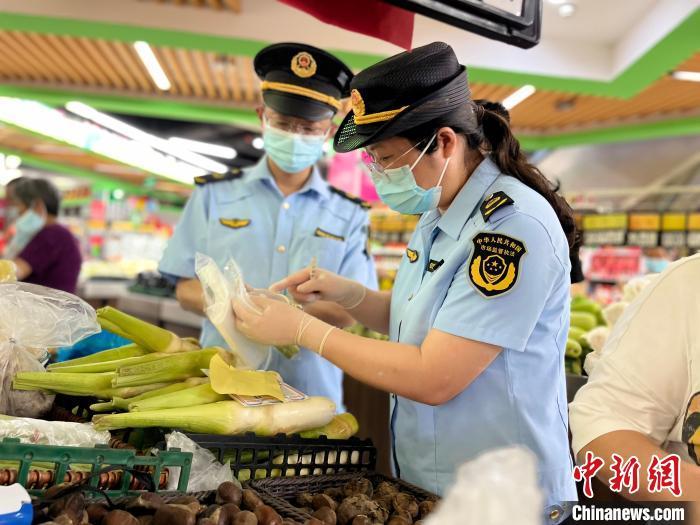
61, 433
499, 487
206, 473
32, 319
220, 288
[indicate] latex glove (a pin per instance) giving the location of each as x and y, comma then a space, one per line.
276, 323
322, 285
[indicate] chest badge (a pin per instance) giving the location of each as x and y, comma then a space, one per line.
327, 235
495, 263
434, 265
412, 255
494, 202
235, 223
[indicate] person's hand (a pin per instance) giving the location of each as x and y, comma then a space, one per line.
307, 286
277, 323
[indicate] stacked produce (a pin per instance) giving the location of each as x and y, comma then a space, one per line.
359, 502
228, 505
586, 320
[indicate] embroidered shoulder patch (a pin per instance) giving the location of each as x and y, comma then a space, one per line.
233, 173
494, 202
495, 263
235, 223
327, 235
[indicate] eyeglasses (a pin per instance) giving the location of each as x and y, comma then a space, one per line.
374, 166
290, 126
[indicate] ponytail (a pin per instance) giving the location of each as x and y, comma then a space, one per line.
504, 149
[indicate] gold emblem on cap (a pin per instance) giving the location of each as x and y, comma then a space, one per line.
303, 65
358, 105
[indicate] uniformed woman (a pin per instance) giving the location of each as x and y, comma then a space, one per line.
479, 313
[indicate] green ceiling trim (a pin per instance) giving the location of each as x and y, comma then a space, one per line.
675, 47
628, 133
147, 107
101, 181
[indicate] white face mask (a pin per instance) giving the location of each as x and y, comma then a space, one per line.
398, 189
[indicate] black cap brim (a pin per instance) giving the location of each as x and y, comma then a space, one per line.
297, 106
440, 102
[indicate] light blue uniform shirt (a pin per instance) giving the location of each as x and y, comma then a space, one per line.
274, 236
521, 397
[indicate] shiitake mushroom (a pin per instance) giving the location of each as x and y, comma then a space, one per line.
267, 515
303, 499
358, 486
399, 520
229, 492
251, 500
361, 519
323, 500
71, 505
148, 502
360, 505
121, 517
222, 515
245, 517
174, 515
335, 492
425, 508
407, 502
326, 515
386, 488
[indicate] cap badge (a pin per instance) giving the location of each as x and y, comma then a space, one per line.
358, 105
303, 65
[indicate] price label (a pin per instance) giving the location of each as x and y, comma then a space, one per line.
612, 221
645, 222
673, 239
694, 222
599, 238
644, 239
673, 222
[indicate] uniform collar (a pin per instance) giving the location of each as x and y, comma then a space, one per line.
471, 194
316, 184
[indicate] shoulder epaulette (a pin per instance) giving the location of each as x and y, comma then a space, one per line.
494, 202
356, 200
233, 173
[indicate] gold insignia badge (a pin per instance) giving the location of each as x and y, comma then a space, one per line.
691, 427
327, 235
434, 265
235, 223
303, 65
495, 262
358, 105
412, 255
494, 202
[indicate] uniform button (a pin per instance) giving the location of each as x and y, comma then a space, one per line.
286, 205
281, 248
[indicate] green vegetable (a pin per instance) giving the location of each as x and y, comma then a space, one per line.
229, 418
573, 349
73, 384
147, 335
576, 333
172, 368
121, 402
196, 395
584, 320
123, 352
109, 366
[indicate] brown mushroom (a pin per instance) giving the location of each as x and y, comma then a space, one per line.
245, 517
326, 515
358, 486
303, 499
146, 519
335, 492
267, 515
386, 488
323, 500
360, 505
405, 501
120, 517
251, 500
174, 515
425, 508
148, 502
362, 520
96, 512
229, 492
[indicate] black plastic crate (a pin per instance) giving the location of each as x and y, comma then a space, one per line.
286, 489
255, 457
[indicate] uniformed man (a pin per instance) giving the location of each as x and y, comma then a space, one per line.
275, 217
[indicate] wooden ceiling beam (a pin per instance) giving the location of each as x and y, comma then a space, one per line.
167, 57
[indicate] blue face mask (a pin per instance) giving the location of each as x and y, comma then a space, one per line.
26, 227
398, 189
656, 264
293, 152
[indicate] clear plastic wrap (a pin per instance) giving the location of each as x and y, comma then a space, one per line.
220, 288
206, 472
59, 433
499, 487
32, 319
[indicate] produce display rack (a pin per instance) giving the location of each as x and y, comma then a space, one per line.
254, 457
110, 469
286, 489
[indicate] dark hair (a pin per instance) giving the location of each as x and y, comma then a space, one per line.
27, 191
486, 125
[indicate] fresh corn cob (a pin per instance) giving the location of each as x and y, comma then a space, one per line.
112, 354
197, 395
172, 368
122, 402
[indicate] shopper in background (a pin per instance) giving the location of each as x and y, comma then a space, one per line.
44, 251
479, 313
7, 250
656, 260
643, 396
275, 217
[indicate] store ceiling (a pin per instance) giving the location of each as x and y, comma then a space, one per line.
607, 84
